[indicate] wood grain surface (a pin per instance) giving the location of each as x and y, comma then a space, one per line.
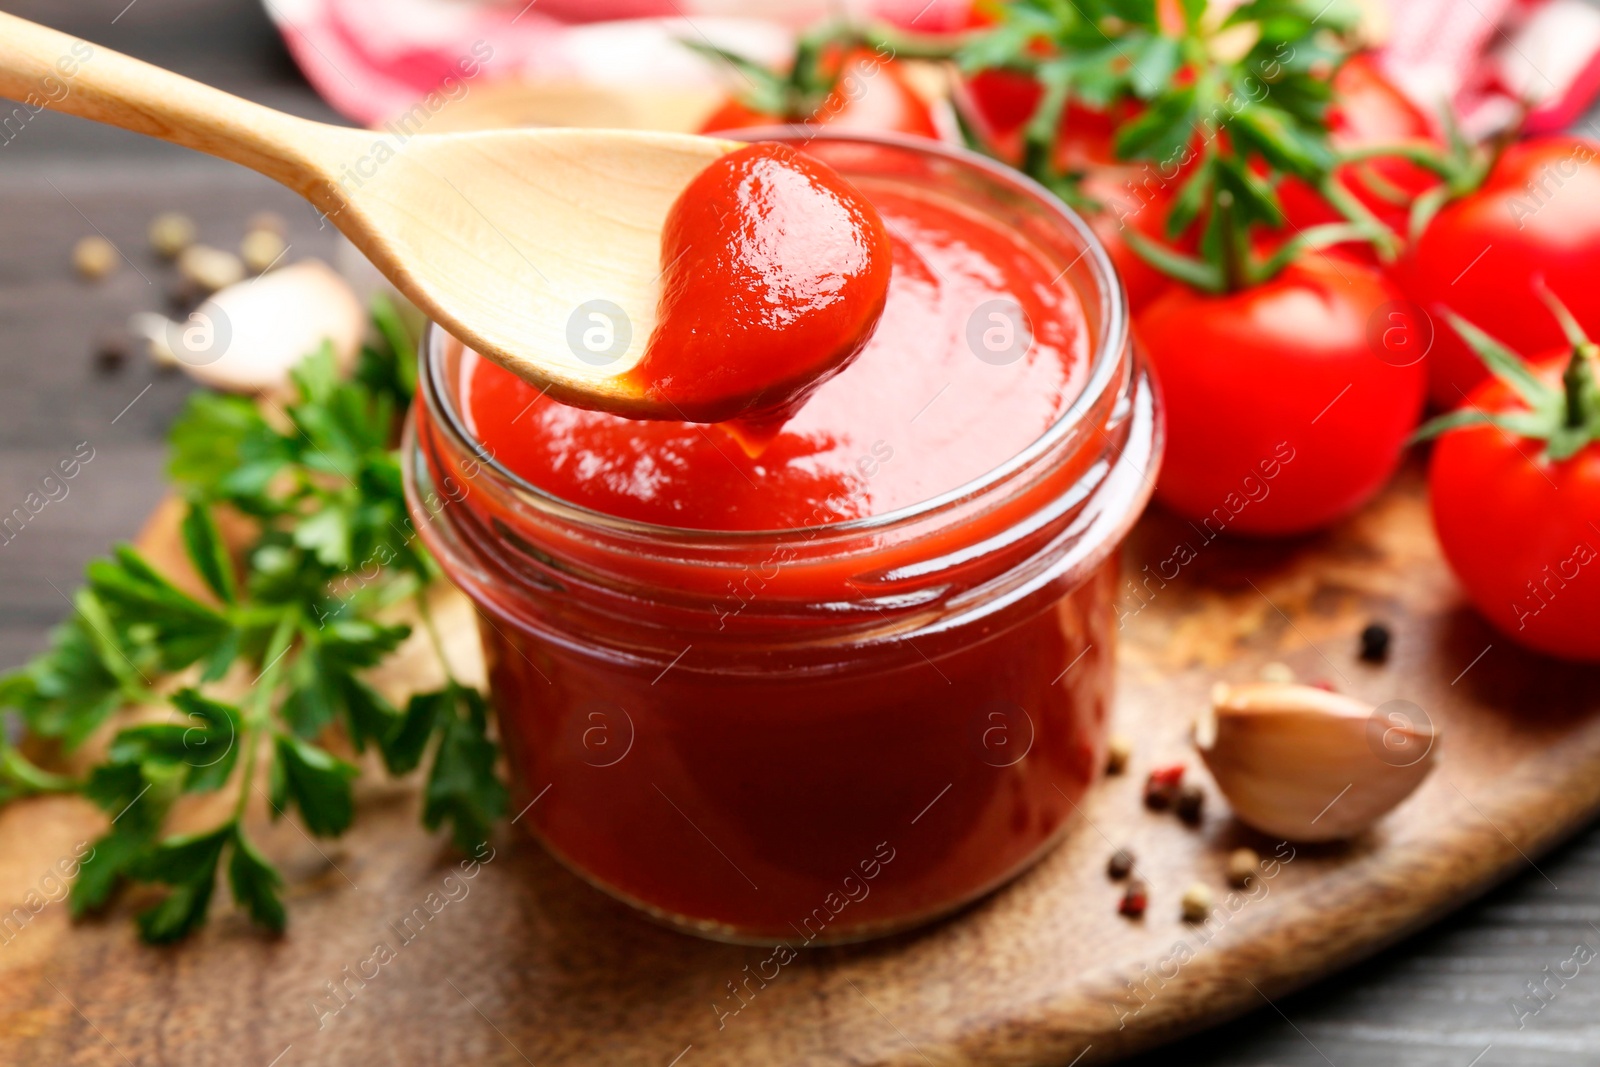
91, 994
514, 959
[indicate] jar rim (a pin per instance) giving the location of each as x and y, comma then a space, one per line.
1106, 361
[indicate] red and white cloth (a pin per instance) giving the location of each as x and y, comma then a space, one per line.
1483, 56
372, 59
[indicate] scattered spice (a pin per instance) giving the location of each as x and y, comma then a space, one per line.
1119, 750
111, 351
269, 221
1243, 863
1161, 788
170, 233
1375, 638
94, 257
1277, 672
261, 250
1134, 900
1197, 903
183, 296
210, 268
1190, 803
1120, 865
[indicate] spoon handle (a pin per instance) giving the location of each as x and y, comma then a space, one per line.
41, 68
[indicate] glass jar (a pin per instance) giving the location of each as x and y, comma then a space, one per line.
821, 734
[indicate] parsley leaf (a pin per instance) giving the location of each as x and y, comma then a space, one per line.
322, 549
462, 787
315, 781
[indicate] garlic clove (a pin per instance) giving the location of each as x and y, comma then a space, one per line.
248, 337
1306, 764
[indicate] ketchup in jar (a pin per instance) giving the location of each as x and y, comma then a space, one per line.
863, 678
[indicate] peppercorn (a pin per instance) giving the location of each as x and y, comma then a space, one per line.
1120, 865
170, 233
1375, 639
1161, 787
261, 250
1196, 903
94, 257
210, 268
111, 351
270, 221
1134, 900
1189, 803
183, 296
1118, 751
1243, 863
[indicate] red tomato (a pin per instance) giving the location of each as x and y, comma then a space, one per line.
1521, 532
1367, 110
1538, 213
1282, 415
998, 104
870, 94
1134, 199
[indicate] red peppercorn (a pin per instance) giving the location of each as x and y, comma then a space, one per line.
1134, 900
1161, 788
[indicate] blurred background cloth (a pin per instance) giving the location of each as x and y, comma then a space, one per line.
373, 59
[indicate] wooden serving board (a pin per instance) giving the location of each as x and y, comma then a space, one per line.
524, 964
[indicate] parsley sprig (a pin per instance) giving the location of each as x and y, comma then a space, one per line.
296, 621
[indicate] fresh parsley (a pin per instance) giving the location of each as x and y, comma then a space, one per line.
295, 606
1223, 110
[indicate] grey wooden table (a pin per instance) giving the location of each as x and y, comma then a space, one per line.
1454, 996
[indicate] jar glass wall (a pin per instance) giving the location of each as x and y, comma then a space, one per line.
818, 734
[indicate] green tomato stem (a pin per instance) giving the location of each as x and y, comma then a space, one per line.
1422, 154
1350, 206
1577, 382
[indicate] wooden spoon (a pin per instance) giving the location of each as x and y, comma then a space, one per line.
540, 249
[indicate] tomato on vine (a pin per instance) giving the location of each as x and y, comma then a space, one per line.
835, 81
1282, 413
1535, 211
1367, 110
1515, 489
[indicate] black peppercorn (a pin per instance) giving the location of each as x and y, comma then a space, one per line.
111, 351
1120, 865
1189, 803
1375, 642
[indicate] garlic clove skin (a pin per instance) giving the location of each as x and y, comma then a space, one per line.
248, 337
1304, 764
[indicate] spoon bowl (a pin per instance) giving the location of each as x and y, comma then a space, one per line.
539, 248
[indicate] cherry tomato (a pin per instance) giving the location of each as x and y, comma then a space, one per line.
1131, 198
870, 94
1538, 213
1367, 110
1522, 532
998, 104
1283, 411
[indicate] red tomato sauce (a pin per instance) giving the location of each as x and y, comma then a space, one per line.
917, 414
827, 734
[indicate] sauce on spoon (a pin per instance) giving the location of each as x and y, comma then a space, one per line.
774, 274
